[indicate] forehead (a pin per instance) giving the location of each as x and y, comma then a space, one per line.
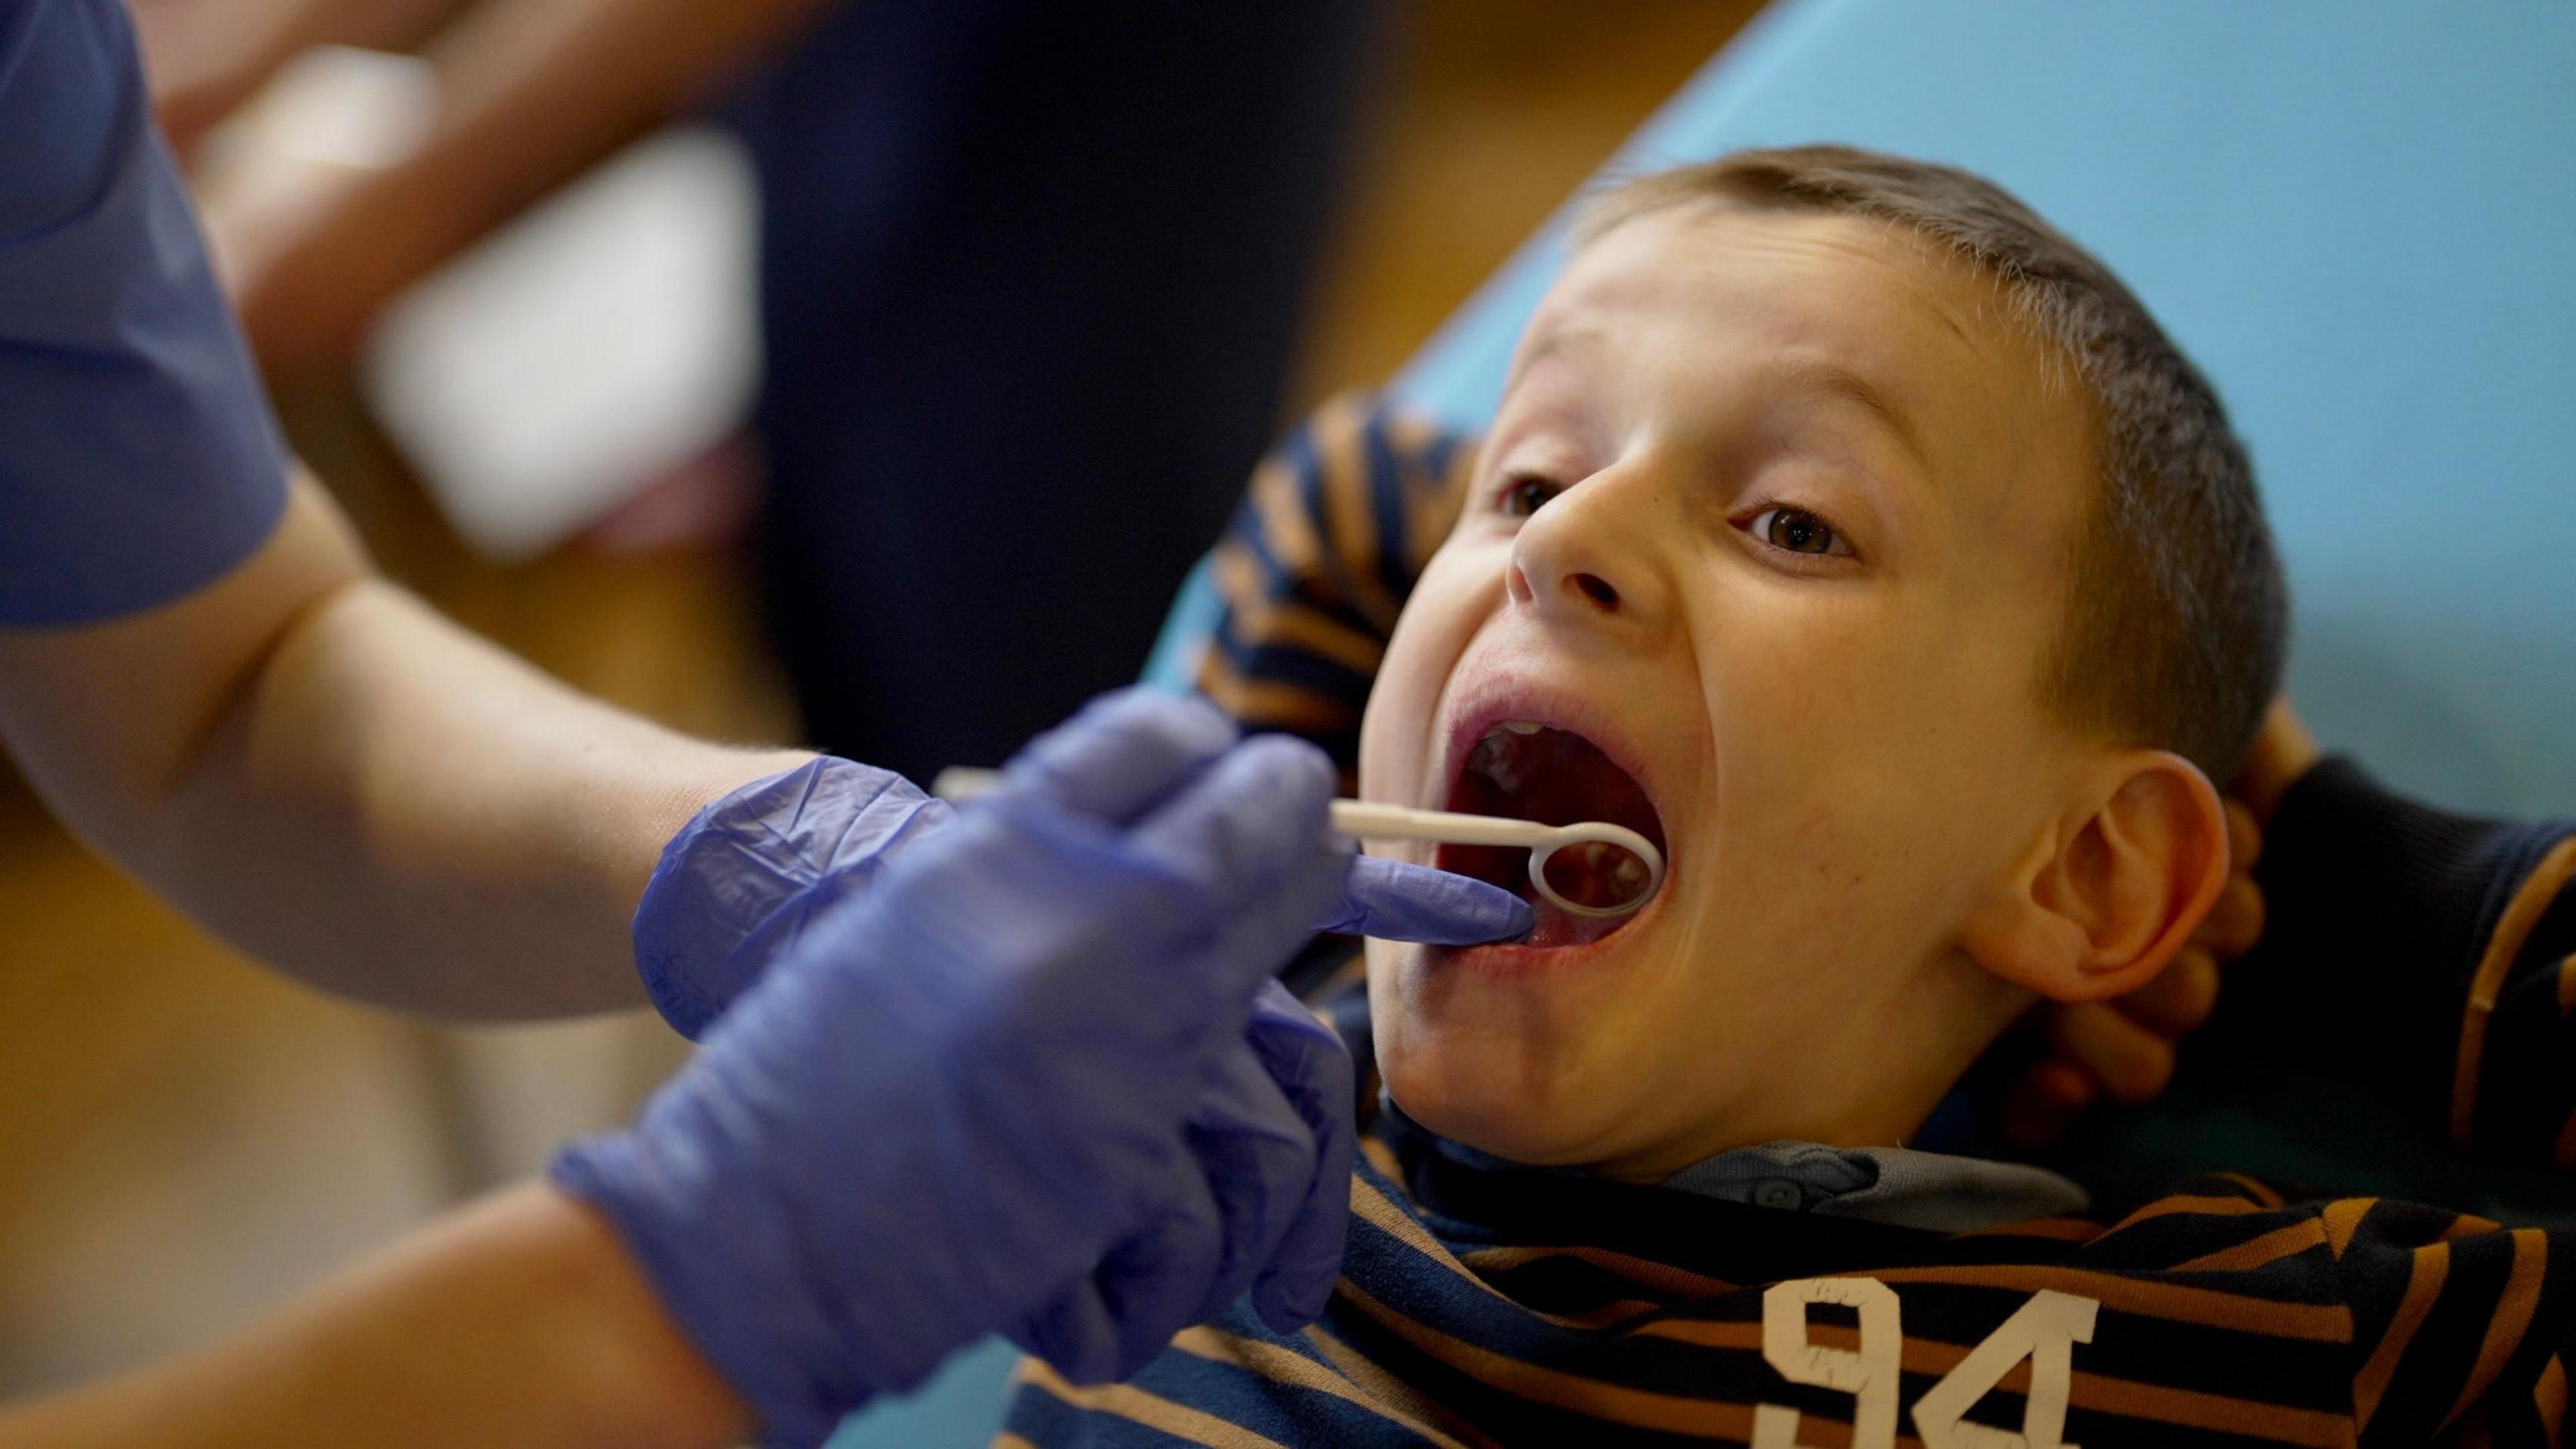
1705, 310
1871, 300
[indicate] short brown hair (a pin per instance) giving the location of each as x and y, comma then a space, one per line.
2179, 617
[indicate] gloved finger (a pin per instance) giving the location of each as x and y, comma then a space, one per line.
1256, 934
1123, 753
1280, 1021
1073, 1334
1313, 1071
1112, 1319
1253, 834
1156, 1283
1248, 822
1258, 1156
1395, 900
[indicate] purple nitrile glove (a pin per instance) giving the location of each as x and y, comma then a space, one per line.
1281, 1113
1395, 900
1016, 1085
740, 884
1276, 1117
1314, 1070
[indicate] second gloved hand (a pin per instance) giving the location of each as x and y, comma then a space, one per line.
1014, 1085
740, 883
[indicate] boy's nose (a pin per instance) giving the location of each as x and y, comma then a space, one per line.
1578, 560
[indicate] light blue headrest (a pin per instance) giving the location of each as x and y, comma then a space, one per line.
2360, 218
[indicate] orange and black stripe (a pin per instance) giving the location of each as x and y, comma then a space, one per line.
1339, 521
2220, 1321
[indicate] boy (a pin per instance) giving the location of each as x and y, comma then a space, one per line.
1859, 539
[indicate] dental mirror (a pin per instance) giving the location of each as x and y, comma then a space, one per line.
1590, 868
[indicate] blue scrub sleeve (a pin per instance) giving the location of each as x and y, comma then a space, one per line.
138, 456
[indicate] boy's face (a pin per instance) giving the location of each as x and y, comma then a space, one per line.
1771, 533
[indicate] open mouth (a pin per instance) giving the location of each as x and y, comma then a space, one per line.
1526, 771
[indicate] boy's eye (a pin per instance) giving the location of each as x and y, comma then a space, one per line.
1525, 496
1797, 531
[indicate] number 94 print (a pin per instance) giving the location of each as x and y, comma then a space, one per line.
2044, 1331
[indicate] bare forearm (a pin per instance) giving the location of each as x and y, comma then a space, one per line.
205, 60
519, 1322
531, 93
397, 810
323, 770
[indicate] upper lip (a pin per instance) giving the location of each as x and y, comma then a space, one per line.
1488, 700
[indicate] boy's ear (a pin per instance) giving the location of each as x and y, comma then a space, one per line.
2112, 888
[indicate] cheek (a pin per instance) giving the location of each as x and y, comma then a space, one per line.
1866, 763
1796, 700
1839, 740
1453, 598
1835, 693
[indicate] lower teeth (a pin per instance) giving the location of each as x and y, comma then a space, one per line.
1597, 873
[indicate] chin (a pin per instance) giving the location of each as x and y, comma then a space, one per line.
1446, 1101
1494, 1086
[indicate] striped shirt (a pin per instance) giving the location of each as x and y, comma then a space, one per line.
1483, 1303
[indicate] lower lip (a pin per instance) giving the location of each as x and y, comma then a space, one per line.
1521, 958
1560, 941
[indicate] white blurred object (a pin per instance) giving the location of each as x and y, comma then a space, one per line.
329, 116
604, 338
333, 106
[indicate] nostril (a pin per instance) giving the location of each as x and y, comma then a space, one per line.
1597, 589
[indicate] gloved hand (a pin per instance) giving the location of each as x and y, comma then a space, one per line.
740, 884
1015, 1085
1187, 1266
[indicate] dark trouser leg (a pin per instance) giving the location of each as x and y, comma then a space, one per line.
1033, 271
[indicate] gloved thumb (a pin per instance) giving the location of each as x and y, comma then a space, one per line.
1396, 901
1314, 1072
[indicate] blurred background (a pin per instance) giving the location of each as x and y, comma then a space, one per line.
576, 435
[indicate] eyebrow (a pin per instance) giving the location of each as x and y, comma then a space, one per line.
1554, 340
1835, 380
1830, 379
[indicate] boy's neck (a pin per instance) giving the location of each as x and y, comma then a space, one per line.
1870, 1083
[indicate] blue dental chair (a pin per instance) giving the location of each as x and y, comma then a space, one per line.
2361, 220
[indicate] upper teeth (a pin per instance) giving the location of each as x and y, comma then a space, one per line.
1498, 759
